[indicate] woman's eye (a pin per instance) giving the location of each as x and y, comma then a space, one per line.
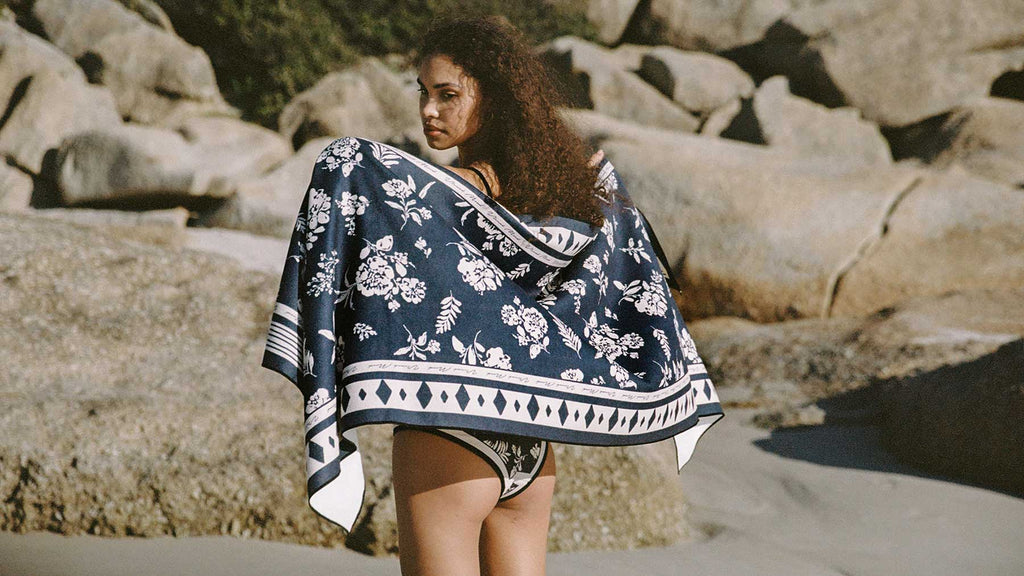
449, 95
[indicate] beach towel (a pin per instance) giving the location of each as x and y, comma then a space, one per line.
410, 296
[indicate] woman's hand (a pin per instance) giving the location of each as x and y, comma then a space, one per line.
596, 158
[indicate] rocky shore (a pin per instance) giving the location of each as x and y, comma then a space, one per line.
845, 215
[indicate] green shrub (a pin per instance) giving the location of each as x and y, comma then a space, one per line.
265, 52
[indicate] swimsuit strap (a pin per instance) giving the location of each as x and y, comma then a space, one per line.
486, 185
661, 253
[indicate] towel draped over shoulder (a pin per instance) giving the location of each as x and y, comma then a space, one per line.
409, 296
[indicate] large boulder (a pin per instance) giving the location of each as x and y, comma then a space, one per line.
151, 72
610, 17
810, 129
985, 135
949, 231
757, 232
811, 370
595, 81
752, 231
53, 107
708, 26
23, 55
268, 203
116, 343
15, 189
147, 166
699, 82
370, 99
897, 61
962, 420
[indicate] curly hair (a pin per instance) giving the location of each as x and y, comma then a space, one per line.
541, 164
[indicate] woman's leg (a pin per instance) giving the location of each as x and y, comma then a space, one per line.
514, 539
443, 492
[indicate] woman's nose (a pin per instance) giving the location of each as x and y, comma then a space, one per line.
428, 109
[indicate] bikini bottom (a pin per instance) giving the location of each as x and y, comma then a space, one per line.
516, 459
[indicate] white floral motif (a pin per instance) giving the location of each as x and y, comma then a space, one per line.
323, 281
608, 342
689, 347
342, 152
577, 288
531, 327
505, 245
363, 331
385, 273
519, 270
592, 263
647, 297
450, 309
621, 375
422, 245
404, 190
418, 346
493, 357
636, 250
351, 205
477, 270
316, 400
574, 374
318, 213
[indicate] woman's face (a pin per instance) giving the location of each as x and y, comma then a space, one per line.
449, 102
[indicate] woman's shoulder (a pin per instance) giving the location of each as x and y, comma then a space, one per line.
473, 176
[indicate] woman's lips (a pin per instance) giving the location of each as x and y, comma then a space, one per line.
432, 131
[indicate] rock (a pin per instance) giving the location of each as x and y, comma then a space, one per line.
269, 203
150, 71
171, 218
834, 364
756, 232
250, 252
119, 342
50, 110
708, 26
699, 82
369, 100
749, 231
610, 18
949, 231
596, 83
143, 166
962, 420
234, 146
23, 55
628, 56
810, 129
15, 189
162, 227
151, 12
791, 417
984, 135
897, 61
719, 120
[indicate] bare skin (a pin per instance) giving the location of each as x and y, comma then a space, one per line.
450, 521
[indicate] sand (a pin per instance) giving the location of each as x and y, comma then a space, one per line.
821, 500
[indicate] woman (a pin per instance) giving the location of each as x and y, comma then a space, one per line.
482, 91
484, 329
